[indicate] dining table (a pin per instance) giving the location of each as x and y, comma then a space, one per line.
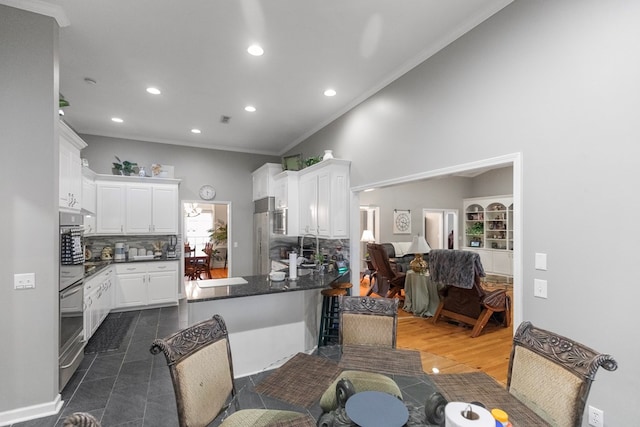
298, 382
196, 266
421, 294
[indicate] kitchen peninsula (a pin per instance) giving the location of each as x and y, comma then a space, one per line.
268, 321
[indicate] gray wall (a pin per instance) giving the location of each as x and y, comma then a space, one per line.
228, 172
558, 82
29, 188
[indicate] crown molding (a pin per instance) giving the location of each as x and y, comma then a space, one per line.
42, 8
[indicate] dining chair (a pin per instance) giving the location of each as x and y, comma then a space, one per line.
201, 368
552, 374
368, 321
80, 419
385, 272
364, 321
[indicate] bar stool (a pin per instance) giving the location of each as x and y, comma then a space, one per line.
346, 286
329, 315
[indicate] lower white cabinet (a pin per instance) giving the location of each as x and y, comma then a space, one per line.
98, 300
495, 261
146, 283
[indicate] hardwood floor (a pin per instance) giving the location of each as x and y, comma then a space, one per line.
453, 350
219, 273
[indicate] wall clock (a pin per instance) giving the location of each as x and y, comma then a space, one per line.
402, 222
207, 192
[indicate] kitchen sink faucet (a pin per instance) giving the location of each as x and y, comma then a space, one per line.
302, 243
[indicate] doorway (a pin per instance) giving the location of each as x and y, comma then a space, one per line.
467, 169
207, 223
440, 228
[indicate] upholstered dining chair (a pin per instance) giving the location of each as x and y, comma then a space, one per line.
199, 360
364, 321
384, 271
368, 321
552, 374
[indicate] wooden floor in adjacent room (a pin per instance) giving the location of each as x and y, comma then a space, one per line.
453, 350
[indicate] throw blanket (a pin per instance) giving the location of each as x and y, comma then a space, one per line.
455, 268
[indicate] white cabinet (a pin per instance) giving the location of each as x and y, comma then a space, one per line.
146, 283
110, 200
263, 180
88, 194
286, 185
324, 199
98, 300
488, 230
137, 208
70, 184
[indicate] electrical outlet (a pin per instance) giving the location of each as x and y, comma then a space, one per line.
24, 281
596, 417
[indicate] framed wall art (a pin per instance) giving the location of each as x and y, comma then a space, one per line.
401, 221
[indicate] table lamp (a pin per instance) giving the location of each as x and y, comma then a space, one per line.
418, 247
367, 236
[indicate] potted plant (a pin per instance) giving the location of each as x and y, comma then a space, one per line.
123, 168
218, 236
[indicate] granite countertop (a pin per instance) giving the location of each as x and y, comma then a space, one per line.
95, 266
260, 285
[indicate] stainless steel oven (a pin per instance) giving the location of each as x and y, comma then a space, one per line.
71, 296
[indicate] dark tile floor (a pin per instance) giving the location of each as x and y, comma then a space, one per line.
130, 387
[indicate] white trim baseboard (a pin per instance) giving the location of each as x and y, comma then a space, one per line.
27, 413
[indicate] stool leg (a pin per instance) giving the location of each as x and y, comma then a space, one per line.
323, 314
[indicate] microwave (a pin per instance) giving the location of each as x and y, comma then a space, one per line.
280, 221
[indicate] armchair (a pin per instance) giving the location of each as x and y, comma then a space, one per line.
463, 298
388, 280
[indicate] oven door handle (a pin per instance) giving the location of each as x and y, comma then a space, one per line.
74, 358
66, 294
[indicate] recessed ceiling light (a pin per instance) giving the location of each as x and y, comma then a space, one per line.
90, 81
60, 112
255, 50
117, 119
153, 90
194, 130
250, 108
329, 92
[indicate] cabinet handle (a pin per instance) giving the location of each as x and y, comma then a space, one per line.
161, 267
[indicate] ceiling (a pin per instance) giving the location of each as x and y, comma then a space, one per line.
195, 52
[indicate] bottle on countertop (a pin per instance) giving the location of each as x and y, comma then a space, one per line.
501, 417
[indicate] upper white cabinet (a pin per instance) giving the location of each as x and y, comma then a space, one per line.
263, 180
324, 199
139, 207
110, 199
70, 184
151, 208
88, 191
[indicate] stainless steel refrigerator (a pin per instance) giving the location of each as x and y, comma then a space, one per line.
262, 234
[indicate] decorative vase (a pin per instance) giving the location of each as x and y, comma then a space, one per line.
328, 154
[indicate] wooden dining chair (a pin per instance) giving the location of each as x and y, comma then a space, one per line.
368, 321
201, 367
552, 374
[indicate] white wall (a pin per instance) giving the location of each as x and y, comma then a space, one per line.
29, 214
558, 82
228, 172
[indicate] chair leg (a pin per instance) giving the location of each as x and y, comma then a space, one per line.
481, 322
438, 312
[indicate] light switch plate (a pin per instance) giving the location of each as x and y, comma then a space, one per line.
24, 281
539, 288
541, 261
